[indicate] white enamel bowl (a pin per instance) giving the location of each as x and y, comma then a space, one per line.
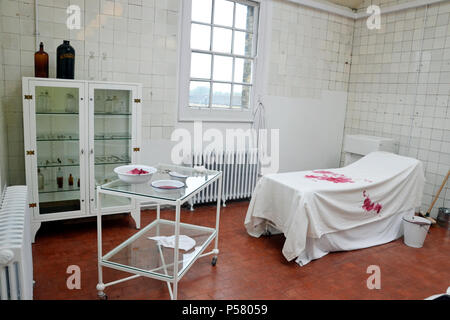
125, 176
167, 185
178, 176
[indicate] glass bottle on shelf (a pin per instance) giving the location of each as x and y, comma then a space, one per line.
99, 103
42, 102
40, 180
115, 105
108, 105
70, 180
78, 183
70, 103
46, 102
60, 178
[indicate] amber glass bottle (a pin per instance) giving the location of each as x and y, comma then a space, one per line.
41, 62
65, 61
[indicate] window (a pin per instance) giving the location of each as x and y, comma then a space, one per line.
218, 59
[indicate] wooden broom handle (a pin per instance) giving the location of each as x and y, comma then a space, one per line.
440, 189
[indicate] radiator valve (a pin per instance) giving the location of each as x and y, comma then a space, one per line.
6, 256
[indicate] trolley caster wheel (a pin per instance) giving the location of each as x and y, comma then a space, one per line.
214, 261
103, 296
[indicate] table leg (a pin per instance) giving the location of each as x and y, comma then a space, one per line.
100, 285
158, 216
175, 258
216, 243
136, 213
161, 254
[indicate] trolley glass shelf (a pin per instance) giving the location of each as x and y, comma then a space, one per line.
194, 182
144, 255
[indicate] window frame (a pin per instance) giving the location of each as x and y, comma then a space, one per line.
188, 113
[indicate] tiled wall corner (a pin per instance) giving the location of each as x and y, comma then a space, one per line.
400, 87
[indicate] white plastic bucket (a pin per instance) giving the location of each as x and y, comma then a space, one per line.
416, 229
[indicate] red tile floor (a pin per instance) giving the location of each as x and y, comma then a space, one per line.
247, 268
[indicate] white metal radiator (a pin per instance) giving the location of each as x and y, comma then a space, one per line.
239, 170
16, 263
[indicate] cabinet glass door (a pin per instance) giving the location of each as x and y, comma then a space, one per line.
112, 138
59, 173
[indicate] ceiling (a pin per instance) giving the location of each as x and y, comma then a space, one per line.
354, 4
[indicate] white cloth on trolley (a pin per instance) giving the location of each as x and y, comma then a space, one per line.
184, 242
315, 207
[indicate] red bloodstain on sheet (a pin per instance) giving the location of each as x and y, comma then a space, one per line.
368, 205
329, 176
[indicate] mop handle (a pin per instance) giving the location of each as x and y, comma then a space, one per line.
440, 189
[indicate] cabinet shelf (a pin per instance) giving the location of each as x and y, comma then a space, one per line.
54, 189
112, 138
57, 165
109, 163
105, 114
57, 113
57, 140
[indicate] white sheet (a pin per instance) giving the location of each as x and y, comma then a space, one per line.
311, 204
367, 235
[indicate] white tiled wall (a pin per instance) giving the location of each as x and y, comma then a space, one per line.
400, 86
310, 51
136, 40
121, 40
3, 129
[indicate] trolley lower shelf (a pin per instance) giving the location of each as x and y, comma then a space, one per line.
146, 257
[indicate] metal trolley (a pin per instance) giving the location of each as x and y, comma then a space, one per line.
144, 257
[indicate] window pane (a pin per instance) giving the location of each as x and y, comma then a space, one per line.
199, 94
222, 40
221, 95
200, 65
243, 43
200, 37
244, 17
223, 13
241, 96
223, 68
201, 10
243, 70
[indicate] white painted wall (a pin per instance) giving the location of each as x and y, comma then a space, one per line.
311, 130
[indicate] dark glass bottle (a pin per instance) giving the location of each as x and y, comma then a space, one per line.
41, 62
65, 61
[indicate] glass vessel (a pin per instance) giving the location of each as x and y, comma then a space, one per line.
41, 62
42, 101
65, 61
41, 180
108, 106
70, 103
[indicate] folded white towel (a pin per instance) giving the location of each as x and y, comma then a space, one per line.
185, 243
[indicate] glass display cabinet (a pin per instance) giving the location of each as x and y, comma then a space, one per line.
75, 133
